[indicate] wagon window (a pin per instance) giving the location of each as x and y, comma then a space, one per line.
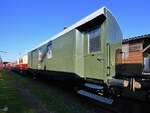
49, 49
94, 40
21, 61
40, 55
34, 53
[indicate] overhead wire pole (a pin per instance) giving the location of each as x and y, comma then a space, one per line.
0, 56
1, 61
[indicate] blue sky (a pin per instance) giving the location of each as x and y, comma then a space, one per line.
25, 24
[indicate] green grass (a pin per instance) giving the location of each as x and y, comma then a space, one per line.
52, 103
10, 97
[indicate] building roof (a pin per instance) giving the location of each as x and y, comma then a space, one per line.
142, 37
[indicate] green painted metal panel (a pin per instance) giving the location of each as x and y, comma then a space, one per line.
42, 60
114, 39
63, 57
93, 61
34, 59
70, 52
101, 65
79, 54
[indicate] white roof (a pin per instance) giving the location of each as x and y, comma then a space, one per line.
81, 22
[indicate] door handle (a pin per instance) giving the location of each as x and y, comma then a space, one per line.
99, 59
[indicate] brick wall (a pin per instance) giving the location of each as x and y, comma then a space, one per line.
132, 59
134, 55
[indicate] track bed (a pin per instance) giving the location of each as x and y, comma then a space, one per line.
80, 104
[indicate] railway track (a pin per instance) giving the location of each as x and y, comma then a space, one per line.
82, 104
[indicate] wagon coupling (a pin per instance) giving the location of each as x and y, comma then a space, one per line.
132, 84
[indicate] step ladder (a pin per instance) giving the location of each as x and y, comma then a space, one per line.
95, 96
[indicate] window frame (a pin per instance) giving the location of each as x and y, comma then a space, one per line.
40, 51
48, 50
34, 53
88, 33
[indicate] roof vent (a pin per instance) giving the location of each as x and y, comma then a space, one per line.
64, 28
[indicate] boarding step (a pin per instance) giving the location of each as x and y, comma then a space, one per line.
94, 86
95, 97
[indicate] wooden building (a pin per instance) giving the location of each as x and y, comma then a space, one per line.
136, 55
